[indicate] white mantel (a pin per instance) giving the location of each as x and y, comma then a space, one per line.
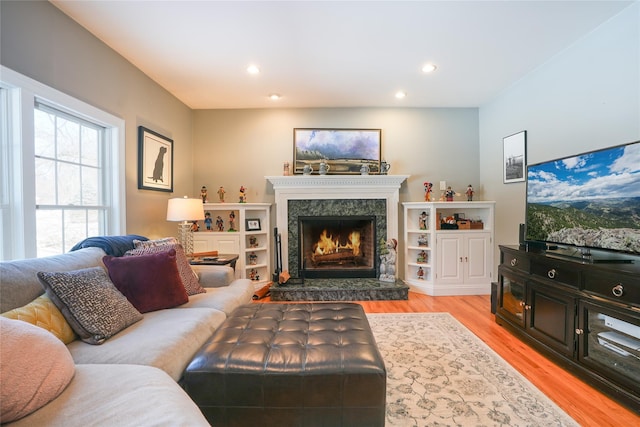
314, 187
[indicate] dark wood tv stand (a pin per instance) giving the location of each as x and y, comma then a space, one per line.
584, 316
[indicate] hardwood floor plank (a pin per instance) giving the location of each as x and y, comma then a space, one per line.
583, 403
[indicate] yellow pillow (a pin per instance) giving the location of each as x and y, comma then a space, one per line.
43, 313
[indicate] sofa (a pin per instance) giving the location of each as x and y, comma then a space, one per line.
131, 377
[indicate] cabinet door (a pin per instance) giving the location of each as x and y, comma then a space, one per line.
511, 296
450, 258
609, 343
224, 243
476, 258
551, 317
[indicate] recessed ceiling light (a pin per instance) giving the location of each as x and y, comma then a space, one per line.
400, 94
274, 97
253, 69
428, 68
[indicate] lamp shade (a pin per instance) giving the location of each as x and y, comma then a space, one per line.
185, 209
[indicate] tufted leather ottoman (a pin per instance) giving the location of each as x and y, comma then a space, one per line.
313, 364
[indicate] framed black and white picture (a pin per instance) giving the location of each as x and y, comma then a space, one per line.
253, 224
515, 157
155, 161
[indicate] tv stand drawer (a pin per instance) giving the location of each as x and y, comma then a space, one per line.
557, 271
619, 287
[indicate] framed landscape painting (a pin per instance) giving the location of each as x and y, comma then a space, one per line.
344, 150
515, 157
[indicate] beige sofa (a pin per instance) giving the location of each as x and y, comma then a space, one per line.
133, 377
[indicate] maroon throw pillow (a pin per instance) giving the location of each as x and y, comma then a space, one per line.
150, 282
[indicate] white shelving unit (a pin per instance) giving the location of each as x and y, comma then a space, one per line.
252, 246
444, 261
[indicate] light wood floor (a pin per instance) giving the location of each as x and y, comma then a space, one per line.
583, 403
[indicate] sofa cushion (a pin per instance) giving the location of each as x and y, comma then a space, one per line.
226, 298
165, 339
118, 395
188, 276
92, 305
19, 284
43, 313
35, 367
138, 244
151, 282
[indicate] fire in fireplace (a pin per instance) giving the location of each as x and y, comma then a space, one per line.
334, 247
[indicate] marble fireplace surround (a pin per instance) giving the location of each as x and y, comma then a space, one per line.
374, 191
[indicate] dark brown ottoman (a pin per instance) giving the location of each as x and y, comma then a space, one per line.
282, 365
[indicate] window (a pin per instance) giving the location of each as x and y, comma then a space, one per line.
64, 174
68, 175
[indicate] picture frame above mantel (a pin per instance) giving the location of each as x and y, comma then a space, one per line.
345, 151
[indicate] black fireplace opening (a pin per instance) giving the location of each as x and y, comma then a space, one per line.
337, 246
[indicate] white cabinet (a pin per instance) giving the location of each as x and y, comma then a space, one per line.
251, 238
448, 261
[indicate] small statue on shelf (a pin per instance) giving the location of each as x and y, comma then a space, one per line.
253, 258
422, 220
422, 257
195, 226
469, 193
203, 194
448, 195
253, 242
221, 193
207, 220
285, 169
232, 221
428, 188
253, 274
220, 223
420, 273
242, 196
423, 240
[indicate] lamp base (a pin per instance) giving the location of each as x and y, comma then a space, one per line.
185, 237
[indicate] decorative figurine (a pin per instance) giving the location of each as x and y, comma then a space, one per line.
253, 242
469, 193
448, 195
253, 258
285, 169
221, 193
384, 167
220, 223
195, 226
422, 257
420, 273
208, 220
428, 188
423, 240
388, 262
364, 169
324, 168
203, 194
307, 170
242, 196
253, 274
232, 221
422, 221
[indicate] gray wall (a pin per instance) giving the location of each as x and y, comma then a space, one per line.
39, 41
585, 98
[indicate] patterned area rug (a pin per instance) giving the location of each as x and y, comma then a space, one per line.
440, 374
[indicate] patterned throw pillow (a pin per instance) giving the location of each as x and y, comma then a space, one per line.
92, 305
137, 244
150, 282
188, 276
43, 313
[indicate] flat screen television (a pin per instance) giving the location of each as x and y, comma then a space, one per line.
586, 202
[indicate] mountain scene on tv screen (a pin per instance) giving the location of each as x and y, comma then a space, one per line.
591, 200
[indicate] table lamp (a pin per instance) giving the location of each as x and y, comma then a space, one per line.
185, 210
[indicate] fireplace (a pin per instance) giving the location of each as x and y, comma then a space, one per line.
337, 247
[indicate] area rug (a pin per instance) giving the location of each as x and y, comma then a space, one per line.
440, 374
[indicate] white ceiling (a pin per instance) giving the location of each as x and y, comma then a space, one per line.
338, 54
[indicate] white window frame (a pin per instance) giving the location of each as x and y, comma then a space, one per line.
23, 92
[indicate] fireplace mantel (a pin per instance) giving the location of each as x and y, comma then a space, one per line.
336, 187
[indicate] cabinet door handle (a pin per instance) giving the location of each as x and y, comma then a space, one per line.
551, 274
579, 331
514, 262
527, 307
466, 259
460, 259
618, 290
